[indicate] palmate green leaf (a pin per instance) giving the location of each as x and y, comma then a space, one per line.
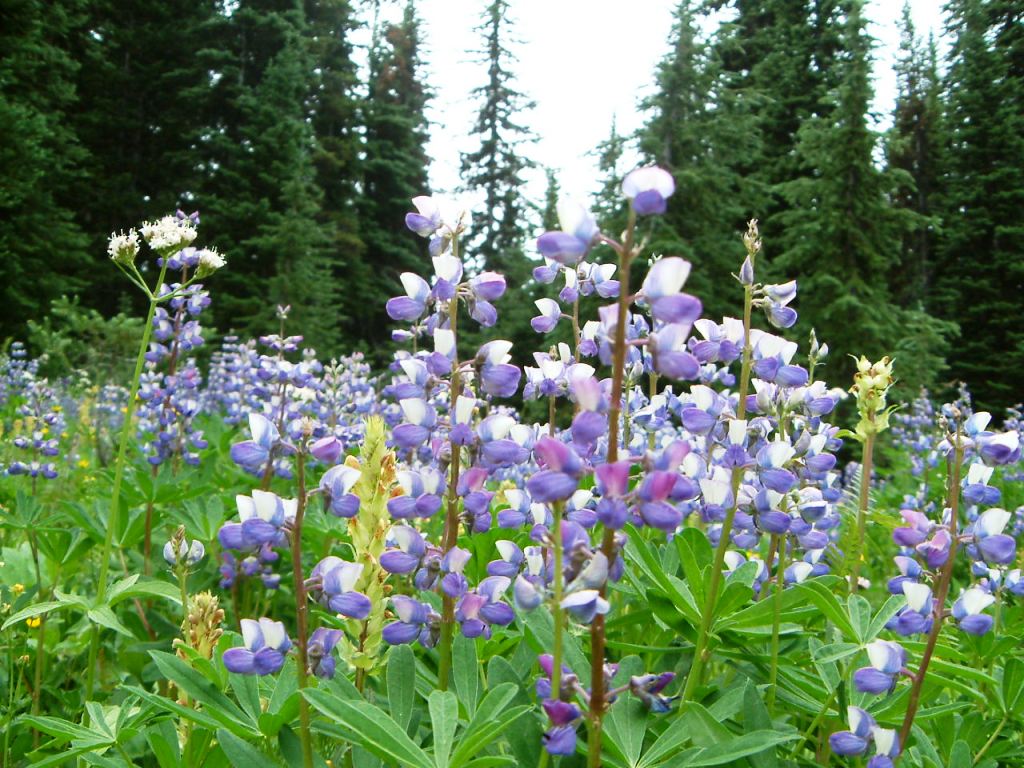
370, 728
466, 672
65, 730
859, 611
889, 609
626, 721
493, 718
199, 689
666, 746
242, 754
1012, 688
401, 680
826, 602
444, 719
735, 748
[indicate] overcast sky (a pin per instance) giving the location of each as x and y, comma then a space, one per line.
583, 62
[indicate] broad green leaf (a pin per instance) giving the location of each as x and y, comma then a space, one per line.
826, 602
756, 718
626, 721
834, 652
201, 690
444, 719
736, 747
860, 616
466, 672
666, 746
401, 680
105, 617
241, 753
695, 557
33, 610
960, 756
162, 738
370, 728
65, 730
705, 729
144, 588
1012, 688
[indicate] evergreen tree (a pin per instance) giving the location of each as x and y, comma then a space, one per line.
496, 240
549, 215
42, 249
703, 142
914, 154
394, 171
259, 190
334, 107
980, 274
839, 235
609, 206
141, 98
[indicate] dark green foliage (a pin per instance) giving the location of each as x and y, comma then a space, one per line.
980, 271
40, 242
394, 171
495, 170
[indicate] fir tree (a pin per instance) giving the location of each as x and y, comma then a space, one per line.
549, 215
42, 250
914, 154
394, 171
980, 274
496, 240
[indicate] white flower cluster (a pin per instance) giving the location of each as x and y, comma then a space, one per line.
209, 261
122, 247
169, 233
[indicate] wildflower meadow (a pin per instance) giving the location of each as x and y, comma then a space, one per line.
274, 559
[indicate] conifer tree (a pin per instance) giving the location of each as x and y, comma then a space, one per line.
980, 271
914, 154
496, 168
394, 171
609, 207
42, 248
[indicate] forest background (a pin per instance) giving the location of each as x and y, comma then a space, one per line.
299, 129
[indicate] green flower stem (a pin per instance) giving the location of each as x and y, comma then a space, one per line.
559, 615
991, 740
941, 590
780, 583
867, 461
700, 651
451, 520
597, 638
301, 610
815, 722
115, 497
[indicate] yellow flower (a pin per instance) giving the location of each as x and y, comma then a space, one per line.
17, 588
33, 622
83, 463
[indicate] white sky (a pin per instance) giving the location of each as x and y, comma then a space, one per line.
583, 62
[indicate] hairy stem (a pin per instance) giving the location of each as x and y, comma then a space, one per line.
780, 583
451, 519
115, 496
708, 611
597, 639
301, 610
941, 590
867, 460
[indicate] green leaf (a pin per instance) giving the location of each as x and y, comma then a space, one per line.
834, 652
466, 672
668, 745
889, 609
188, 713
144, 588
105, 617
401, 680
162, 738
492, 718
370, 728
33, 610
540, 631
960, 756
626, 722
695, 558
705, 729
241, 753
1012, 688
826, 602
216, 704
736, 748
860, 616
444, 719
65, 730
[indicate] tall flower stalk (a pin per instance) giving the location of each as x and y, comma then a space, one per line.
597, 627
871, 383
301, 608
942, 587
167, 238
752, 243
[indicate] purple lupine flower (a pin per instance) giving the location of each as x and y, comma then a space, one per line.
423, 490
648, 189
427, 218
855, 740
187, 553
327, 449
409, 551
253, 454
994, 546
337, 484
662, 292
332, 583
887, 661
550, 314
585, 604
916, 617
266, 644
319, 651
476, 611
648, 689
571, 244
560, 739
967, 611
559, 478
416, 621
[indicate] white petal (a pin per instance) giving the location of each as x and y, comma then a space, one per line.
444, 341
507, 549
251, 633
464, 409
976, 600
666, 277
992, 521
415, 409
415, 286
917, 595
266, 504
273, 633
246, 507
